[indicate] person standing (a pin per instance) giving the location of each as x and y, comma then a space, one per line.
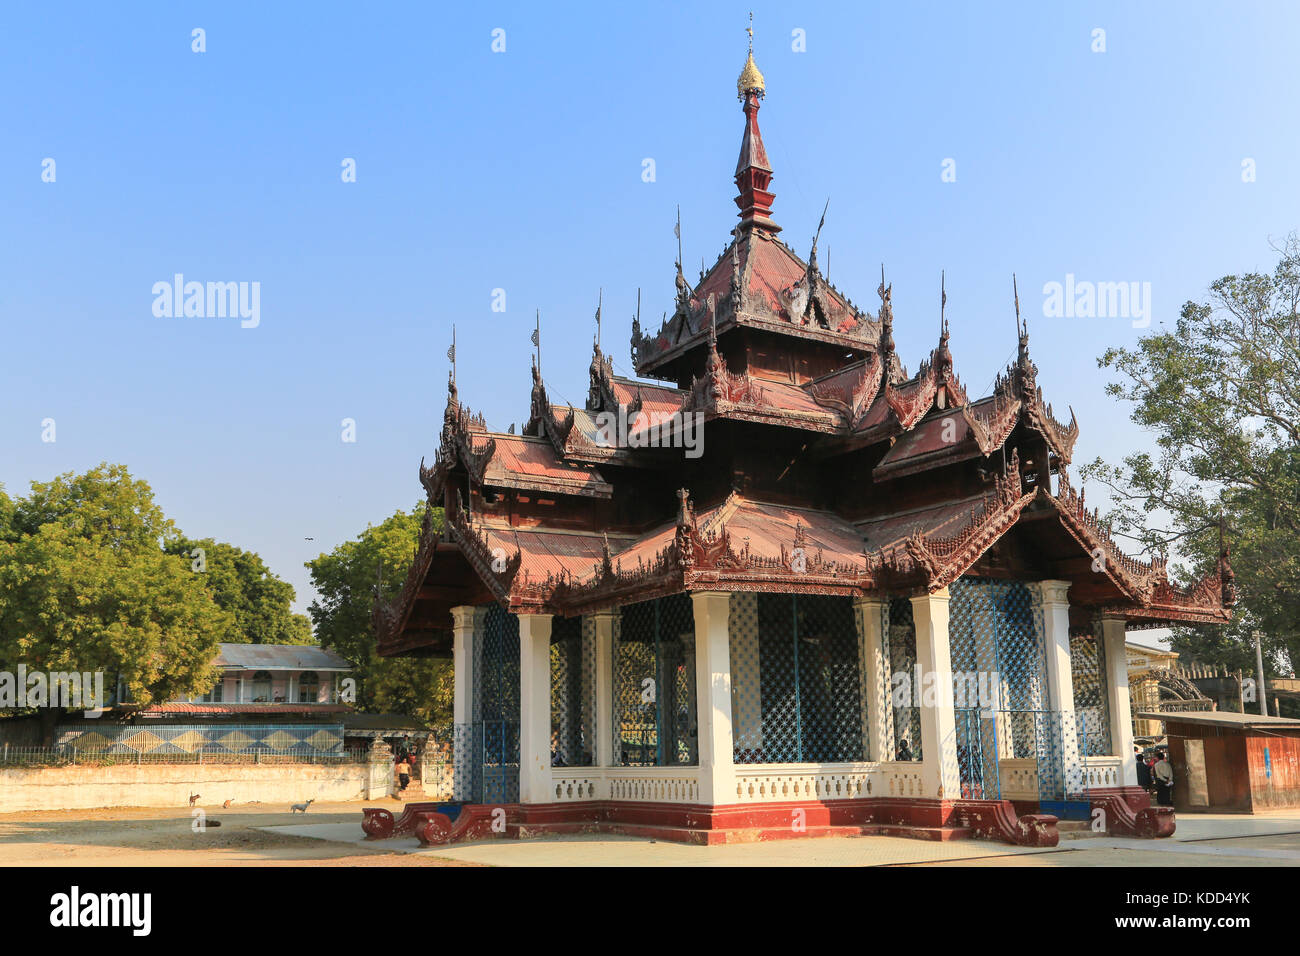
1164, 774
1144, 771
403, 774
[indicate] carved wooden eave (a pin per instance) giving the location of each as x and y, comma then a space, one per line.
734, 302
940, 560
434, 479
912, 400
1202, 603
852, 403
1060, 438
600, 391
480, 554
460, 427
992, 423
1138, 580
388, 618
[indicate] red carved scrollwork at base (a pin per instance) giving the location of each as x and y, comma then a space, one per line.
474, 822
997, 819
1129, 813
377, 823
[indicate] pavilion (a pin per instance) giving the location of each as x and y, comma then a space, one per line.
778, 585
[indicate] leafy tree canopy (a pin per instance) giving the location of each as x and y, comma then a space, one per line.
260, 604
85, 585
345, 579
1220, 395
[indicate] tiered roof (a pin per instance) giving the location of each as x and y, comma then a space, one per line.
827, 467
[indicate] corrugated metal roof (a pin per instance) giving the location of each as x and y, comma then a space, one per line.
1224, 718
279, 657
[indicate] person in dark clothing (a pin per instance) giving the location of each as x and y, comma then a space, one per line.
1144, 772
904, 752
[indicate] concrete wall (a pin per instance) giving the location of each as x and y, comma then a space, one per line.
83, 787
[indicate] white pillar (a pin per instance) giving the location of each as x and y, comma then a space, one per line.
1117, 697
939, 773
1060, 680
604, 623
466, 621
535, 709
713, 690
877, 717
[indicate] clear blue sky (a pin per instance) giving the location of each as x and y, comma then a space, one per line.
522, 170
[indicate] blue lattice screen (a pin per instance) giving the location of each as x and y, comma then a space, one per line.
1091, 707
654, 684
997, 652
796, 673
573, 692
493, 735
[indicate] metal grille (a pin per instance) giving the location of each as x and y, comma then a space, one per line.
1000, 687
807, 683
898, 651
654, 684
573, 692
493, 736
1091, 707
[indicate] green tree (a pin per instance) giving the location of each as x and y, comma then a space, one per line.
345, 579
85, 585
1220, 395
260, 604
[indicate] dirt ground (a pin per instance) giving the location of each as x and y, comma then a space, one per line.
134, 836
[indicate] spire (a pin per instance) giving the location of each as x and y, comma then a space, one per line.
753, 174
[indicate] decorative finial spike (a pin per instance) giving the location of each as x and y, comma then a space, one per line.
751, 80
1016, 292
451, 354
943, 303
537, 339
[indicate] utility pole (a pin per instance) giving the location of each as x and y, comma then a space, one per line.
1259, 671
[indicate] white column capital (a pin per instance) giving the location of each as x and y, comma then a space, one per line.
1053, 592
940, 596
466, 616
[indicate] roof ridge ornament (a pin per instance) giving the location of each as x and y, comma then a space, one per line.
753, 171
886, 313
683, 287
751, 78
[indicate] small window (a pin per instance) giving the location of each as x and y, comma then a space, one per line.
217, 694
309, 687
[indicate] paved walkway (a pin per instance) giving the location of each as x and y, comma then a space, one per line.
1201, 840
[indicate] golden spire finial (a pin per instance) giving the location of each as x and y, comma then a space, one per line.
751, 80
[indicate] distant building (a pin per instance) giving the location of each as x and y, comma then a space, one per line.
1157, 684
1226, 761
266, 680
